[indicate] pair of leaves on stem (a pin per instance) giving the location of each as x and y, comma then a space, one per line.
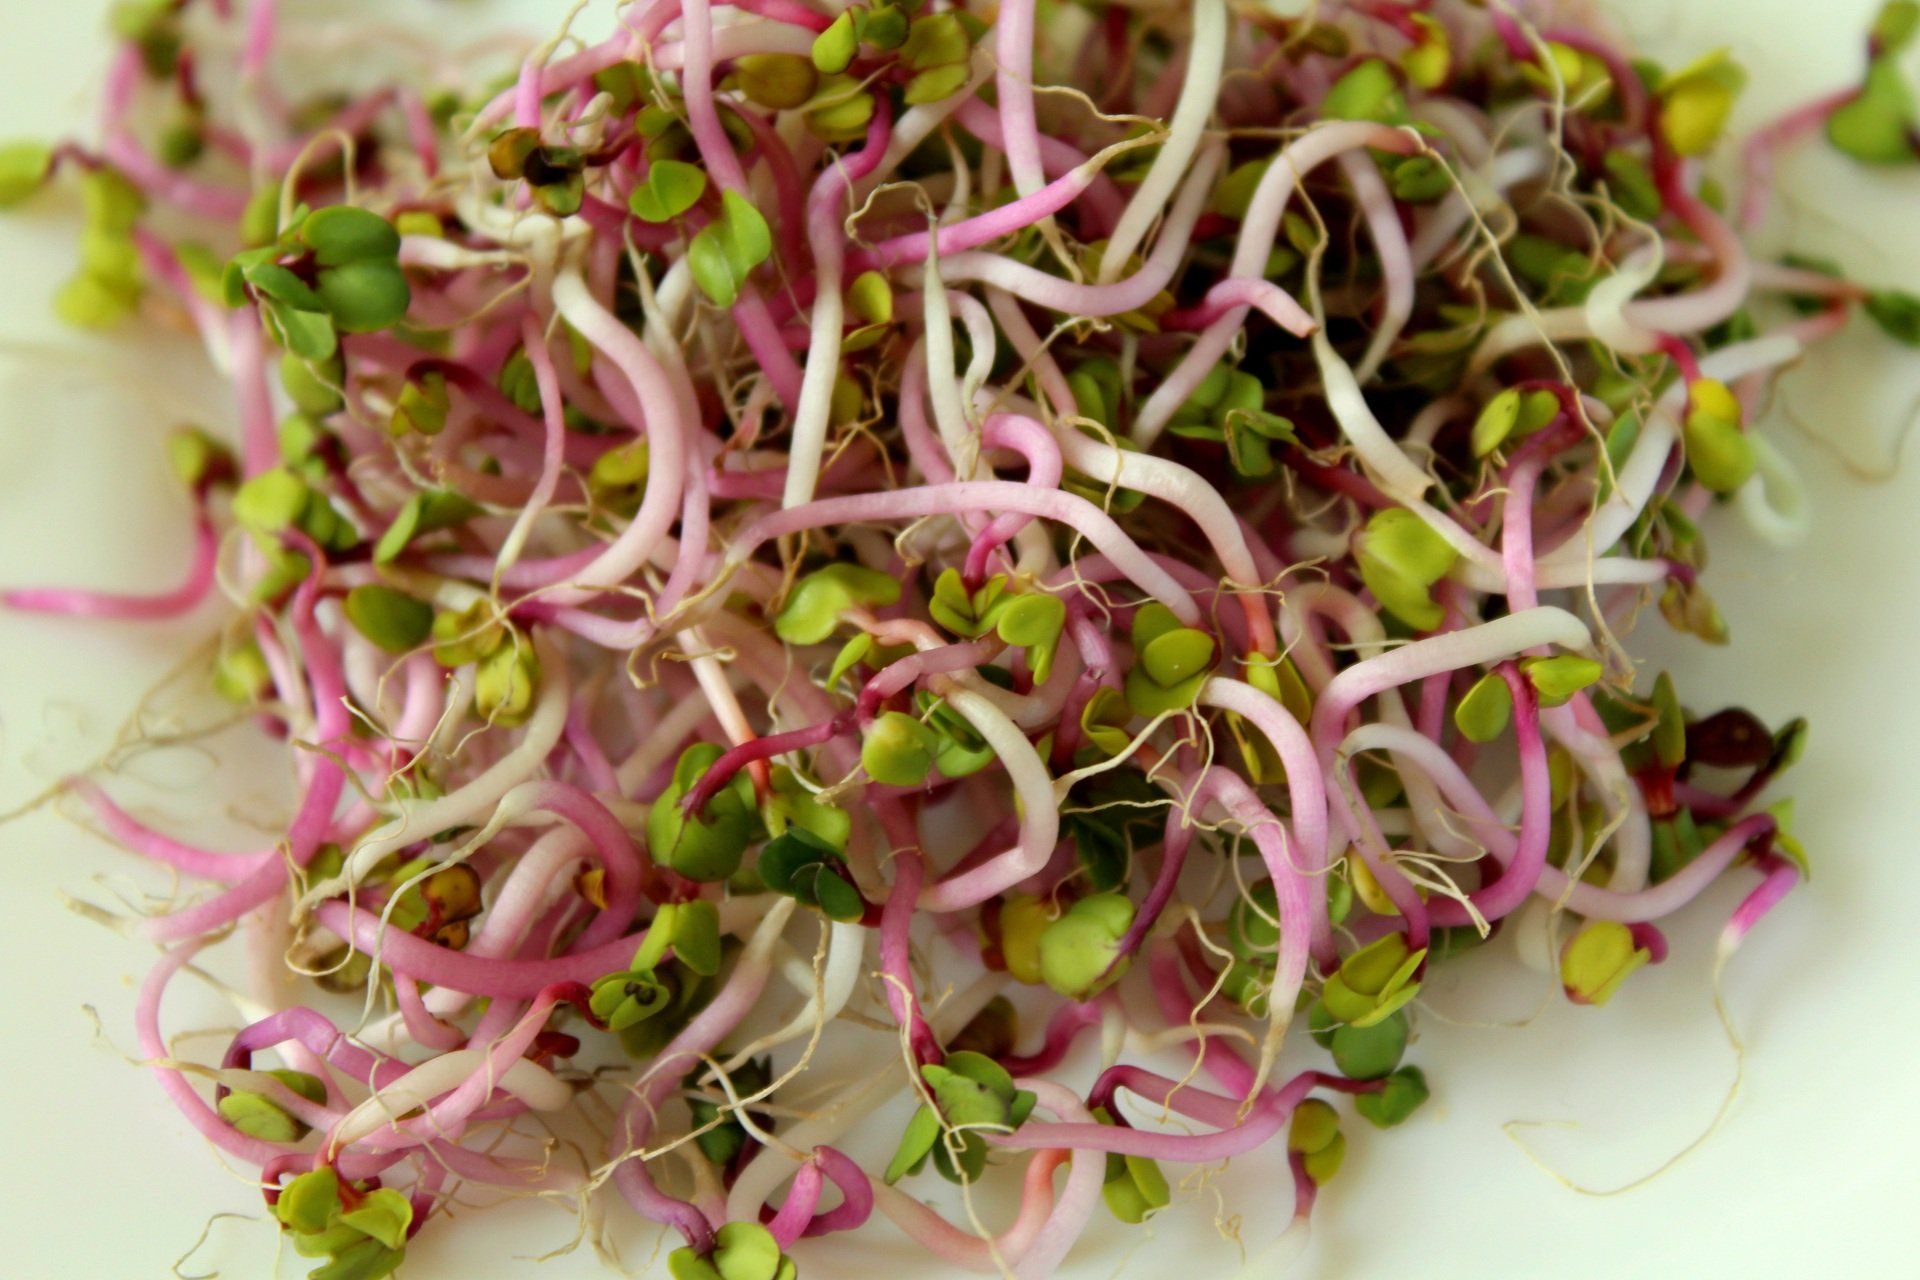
1373, 983
1482, 714
1597, 959
1696, 101
815, 603
1227, 408
692, 930
725, 251
711, 844
1401, 558
972, 1094
1135, 1188
332, 271
1170, 661
365, 1241
802, 866
1028, 620
1877, 125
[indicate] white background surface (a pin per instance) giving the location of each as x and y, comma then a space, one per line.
1813, 1173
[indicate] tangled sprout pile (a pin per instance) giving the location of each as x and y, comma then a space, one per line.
983, 541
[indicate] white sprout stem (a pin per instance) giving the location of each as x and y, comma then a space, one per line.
1180, 487
1774, 501
1638, 477
1033, 790
530, 1083
1396, 257
1451, 651
943, 378
1206, 60
1258, 233
839, 978
668, 434
419, 819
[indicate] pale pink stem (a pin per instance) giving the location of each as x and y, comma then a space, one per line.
1103, 201
135, 835
259, 444
1033, 442
1264, 296
76, 603
1013, 37
983, 228
896, 917
474, 975
153, 1047
1764, 146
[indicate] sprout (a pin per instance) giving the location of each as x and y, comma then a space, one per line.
777, 81
1077, 951
1135, 1189
1367, 92
1374, 982
1558, 678
1482, 714
241, 674
1428, 63
364, 1242
24, 168
708, 845
1171, 662
504, 682
971, 1094
1253, 923
1597, 959
898, 750
816, 602
1718, 450
258, 1116
1369, 1052
727, 249
741, 1251
671, 188
1023, 922
1401, 558
807, 868
1406, 1089
1315, 1136
1696, 100
392, 619
1877, 126
833, 49
1513, 412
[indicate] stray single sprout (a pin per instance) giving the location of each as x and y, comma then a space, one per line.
1596, 960
781, 524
